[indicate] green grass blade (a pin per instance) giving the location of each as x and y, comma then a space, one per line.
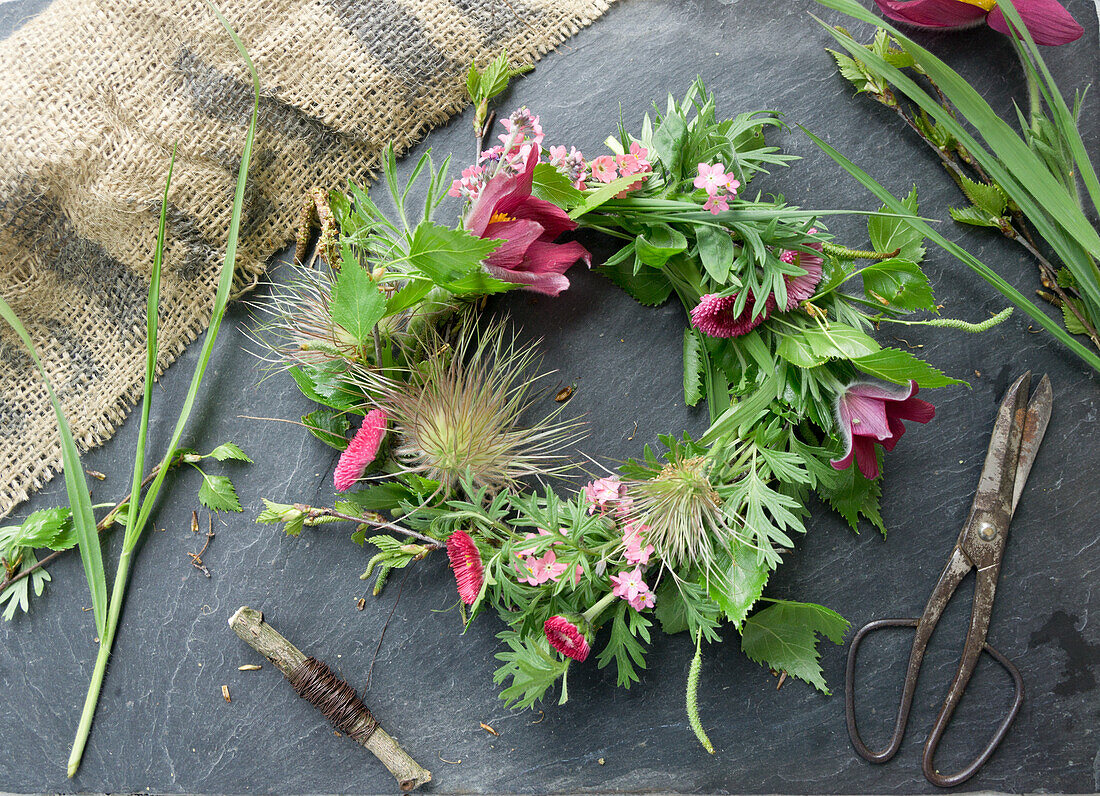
1063, 117
1044, 200
970, 260
76, 485
152, 311
221, 299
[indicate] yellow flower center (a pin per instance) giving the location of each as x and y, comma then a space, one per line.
986, 5
500, 218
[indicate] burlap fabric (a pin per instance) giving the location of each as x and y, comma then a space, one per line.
94, 93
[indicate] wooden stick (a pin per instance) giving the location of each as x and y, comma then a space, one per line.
249, 624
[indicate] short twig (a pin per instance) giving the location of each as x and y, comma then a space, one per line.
314, 512
196, 558
382, 635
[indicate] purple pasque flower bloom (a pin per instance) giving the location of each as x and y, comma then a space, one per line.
1046, 20
505, 210
870, 412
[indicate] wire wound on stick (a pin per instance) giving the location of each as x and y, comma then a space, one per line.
316, 683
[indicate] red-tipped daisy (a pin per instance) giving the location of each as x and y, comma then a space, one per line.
802, 286
713, 316
466, 564
361, 451
566, 638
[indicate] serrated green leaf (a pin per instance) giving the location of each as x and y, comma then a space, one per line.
1073, 325
973, 216
694, 366
839, 341
989, 198
229, 450
668, 142
329, 426
551, 185
783, 636
217, 493
357, 304
893, 364
892, 233
851, 71
593, 198
377, 497
852, 494
796, 349
649, 287
52, 528
739, 580
447, 255
900, 282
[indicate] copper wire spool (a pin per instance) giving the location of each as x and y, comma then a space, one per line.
316, 683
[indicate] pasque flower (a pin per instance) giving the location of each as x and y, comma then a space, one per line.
1046, 20
566, 638
466, 564
361, 451
871, 412
505, 210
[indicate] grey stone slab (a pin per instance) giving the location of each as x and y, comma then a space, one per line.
163, 725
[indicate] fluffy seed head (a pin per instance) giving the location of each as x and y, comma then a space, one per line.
460, 410
682, 512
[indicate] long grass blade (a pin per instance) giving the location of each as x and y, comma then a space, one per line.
76, 485
1017, 169
221, 299
967, 258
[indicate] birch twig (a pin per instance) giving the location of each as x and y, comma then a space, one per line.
249, 624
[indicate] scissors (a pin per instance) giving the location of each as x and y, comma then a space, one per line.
1017, 433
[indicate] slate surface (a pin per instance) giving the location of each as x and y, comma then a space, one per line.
163, 725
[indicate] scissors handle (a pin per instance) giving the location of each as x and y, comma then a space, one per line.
931, 745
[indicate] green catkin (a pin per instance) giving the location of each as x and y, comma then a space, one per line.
380, 581
375, 561
692, 691
966, 326
855, 254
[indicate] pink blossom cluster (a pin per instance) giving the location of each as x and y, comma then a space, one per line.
536, 570
572, 165
523, 132
631, 586
610, 495
720, 186
607, 169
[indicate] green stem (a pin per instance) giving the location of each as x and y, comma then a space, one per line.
592, 613
105, 645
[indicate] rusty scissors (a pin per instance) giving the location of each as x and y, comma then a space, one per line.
1017, 433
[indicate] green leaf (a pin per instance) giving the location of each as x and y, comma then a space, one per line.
741, 581
973, 216
594, 198
851, 494
323, 387
851, 71
893, 364
357, 304
446, 255
329, 426
52, 528
716, 252
783, 636
649, 286
840, 341
1073, 325
694, 366
550, 184
986, 197
623, 647
217, 493
658, 243
901, 282
385, 496
891, 232
796, 349
668, 141
669, 609
229, 450
76, 486
528, 664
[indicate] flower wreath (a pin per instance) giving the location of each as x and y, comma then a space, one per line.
801, 398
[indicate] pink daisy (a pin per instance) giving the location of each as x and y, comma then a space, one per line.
361, 451
466, 564
566, 638
713, 316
